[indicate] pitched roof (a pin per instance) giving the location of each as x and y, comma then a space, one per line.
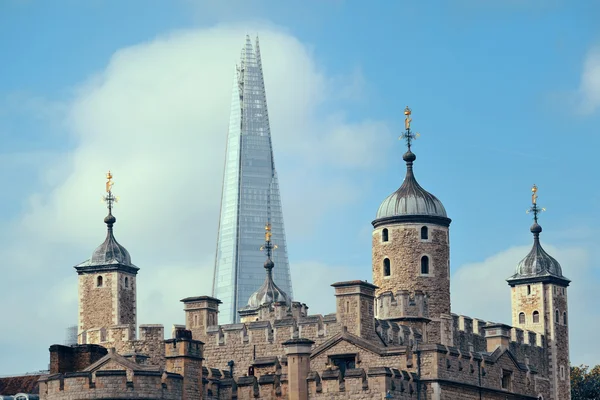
12, 385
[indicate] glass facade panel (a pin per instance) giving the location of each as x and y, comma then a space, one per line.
250, 196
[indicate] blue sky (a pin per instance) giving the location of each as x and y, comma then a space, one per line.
504, 93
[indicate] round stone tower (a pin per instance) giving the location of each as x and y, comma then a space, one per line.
411, 251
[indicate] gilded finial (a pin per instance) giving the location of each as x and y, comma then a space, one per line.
408, 119
408, 135
534, 208
268, 246
110, 199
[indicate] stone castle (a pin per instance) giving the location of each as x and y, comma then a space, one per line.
395, 338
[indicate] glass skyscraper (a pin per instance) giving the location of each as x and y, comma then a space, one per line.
250, 197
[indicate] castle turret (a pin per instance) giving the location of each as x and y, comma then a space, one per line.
107, 287
411, 249
539, 303
269, 294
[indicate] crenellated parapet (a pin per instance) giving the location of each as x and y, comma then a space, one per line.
104, 384
359, 383
122, 338
394, 333
401, 304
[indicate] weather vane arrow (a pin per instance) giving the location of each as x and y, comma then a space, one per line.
408, 135
534, 207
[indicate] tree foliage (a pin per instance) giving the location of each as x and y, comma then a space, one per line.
585, 383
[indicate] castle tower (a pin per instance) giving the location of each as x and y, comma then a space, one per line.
107, 288
411, 249
539, 303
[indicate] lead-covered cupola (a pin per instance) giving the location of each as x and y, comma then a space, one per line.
538, 265
410, 202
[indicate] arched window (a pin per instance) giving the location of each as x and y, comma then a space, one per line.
565, 318
424, 233
384, 235
536, 317
99, 281
425, 265
386, 267
126, 282
556, 316
522, 318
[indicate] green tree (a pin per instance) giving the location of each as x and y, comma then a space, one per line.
585, 383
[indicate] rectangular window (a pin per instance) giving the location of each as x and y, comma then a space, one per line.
562, 372
343, 362
506, 380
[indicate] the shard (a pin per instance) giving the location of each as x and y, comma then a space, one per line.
250, 197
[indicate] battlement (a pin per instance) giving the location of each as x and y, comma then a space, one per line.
401, 304
469, 334
315, 327
394, 333
108, 383
122, 338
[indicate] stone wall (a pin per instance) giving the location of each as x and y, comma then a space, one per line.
106, 384
96, 308
242, 343
404, 249
127, 314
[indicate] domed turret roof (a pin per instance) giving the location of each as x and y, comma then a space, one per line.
537, 265
411, 198
269, 292
109, 253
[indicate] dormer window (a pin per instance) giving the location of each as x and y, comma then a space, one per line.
425, 265
424, 233
384, 235
99, 281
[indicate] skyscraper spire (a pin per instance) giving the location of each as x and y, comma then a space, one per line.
250, 194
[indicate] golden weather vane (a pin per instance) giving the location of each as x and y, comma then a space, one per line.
268, 246
534, 208
408, 135
109, 198
408, 119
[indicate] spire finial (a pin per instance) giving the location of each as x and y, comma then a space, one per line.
408, 135
534, 207
268, 247
109, 199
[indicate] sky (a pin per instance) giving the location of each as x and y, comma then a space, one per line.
505, 94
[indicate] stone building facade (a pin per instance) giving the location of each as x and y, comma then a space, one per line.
395, 338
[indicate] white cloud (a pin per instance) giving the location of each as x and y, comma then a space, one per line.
157, 116
589, 89
479, 290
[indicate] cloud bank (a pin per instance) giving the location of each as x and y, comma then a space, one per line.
157, 116
589, 88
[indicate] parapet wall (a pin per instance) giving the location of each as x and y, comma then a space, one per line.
122, 339
401, 304
107, 384
329, 384
244, 342
467, 334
